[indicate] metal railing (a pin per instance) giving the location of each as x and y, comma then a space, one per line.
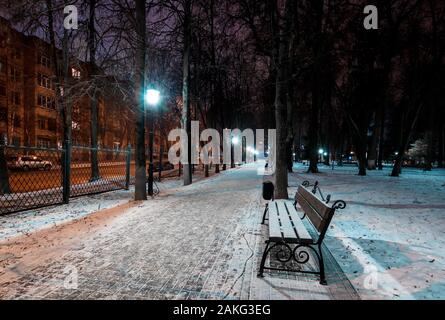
36, 177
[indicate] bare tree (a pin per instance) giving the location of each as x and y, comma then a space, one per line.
141, 158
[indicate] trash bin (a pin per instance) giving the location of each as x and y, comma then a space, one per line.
268, 190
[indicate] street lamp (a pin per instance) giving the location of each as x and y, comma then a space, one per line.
152, 98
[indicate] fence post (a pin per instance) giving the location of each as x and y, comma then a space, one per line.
66, 169
128, 167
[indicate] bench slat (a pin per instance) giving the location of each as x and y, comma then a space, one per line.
311, 213
285, 223
274, 226
322, 208
304, 235
287, 228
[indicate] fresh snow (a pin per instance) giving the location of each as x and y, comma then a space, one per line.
390, 239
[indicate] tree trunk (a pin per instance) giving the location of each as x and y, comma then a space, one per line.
93, 98
406, 135
186, 114
381, 137
372, 150
141, 157
441, 142
281, 170
313, 132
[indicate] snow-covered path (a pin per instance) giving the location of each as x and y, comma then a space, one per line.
203, 241
390, 240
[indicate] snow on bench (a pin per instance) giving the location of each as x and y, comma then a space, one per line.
286, 228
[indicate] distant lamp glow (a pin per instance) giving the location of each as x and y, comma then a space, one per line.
396, 153
325, 154
320, 151
235, 140
152, 97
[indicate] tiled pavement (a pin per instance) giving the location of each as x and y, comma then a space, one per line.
199, 242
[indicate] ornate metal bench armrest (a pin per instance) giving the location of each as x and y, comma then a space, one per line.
339, 204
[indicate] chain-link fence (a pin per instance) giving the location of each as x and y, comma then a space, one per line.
35, 177
30, 178
96, 171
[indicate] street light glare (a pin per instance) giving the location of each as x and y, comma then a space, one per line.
152, 97
235, 140
320, 151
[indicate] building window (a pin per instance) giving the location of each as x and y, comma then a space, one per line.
44, 81
44, 143
46, 102
3, 114
16, 53
44, 60
75, 73
14, 74
41, 123
48, 124
2, 66
15, 98
16, 141
52, 125
17, 122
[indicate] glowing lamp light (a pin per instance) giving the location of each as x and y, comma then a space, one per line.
325, 154
320, 151
152, 97
235, 140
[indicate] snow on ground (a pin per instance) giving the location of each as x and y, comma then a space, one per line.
23, 223
390, 240
203, 241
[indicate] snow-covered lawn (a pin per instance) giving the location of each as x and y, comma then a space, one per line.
390, 240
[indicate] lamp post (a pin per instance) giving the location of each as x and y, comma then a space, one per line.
152, 98
235, 141
320, 152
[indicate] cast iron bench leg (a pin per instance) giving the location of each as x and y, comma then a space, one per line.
321, 262
265, 212
263, 259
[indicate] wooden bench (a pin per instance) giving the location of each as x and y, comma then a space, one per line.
289, 235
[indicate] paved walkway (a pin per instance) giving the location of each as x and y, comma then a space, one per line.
198, 242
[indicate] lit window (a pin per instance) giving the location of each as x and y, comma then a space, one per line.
75, 125
75, 73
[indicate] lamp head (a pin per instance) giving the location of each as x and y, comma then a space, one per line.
152, 97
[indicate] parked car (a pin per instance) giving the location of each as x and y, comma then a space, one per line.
27, 163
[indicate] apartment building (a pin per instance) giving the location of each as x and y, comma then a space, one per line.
28, 109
